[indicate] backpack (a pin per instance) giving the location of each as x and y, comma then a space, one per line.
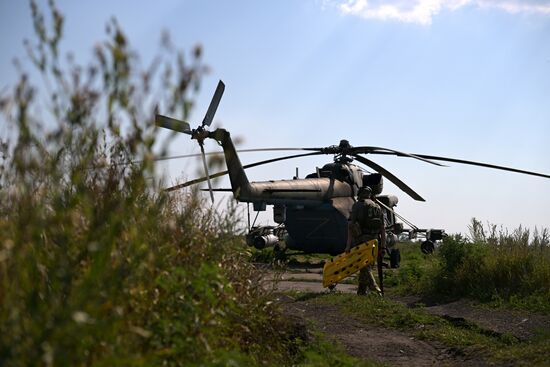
371, 218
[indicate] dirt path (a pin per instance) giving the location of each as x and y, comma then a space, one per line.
522, 325
397, 348
373, 343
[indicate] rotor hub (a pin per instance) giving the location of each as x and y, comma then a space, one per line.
344, 144
342, 152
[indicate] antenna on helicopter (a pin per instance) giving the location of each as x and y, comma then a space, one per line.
200, 133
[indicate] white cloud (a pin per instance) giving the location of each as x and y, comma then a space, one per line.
517, 6
423, 11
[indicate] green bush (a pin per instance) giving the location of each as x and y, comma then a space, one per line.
514, 268
491, 265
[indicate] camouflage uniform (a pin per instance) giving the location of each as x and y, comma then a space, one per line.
366, 223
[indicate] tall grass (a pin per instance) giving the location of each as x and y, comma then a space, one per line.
495, 264
147, 281
97, 265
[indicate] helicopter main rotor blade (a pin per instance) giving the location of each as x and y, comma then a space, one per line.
480, 164
172, 124
213, 104
195, 181
375, 150
320, 150
384, 172
194, 155
487, 165
219, 153
383, 151
222, 173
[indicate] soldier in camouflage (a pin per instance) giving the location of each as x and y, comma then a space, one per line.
366, 223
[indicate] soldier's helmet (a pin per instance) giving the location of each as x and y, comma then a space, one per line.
364, 192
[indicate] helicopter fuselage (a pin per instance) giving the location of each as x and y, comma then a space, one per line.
315, 210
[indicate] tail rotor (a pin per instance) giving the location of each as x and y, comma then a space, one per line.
200, 133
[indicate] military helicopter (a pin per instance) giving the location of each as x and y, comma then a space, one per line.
312, 213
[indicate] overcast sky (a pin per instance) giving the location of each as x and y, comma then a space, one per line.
462, 78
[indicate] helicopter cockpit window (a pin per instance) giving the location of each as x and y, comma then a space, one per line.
336, 171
